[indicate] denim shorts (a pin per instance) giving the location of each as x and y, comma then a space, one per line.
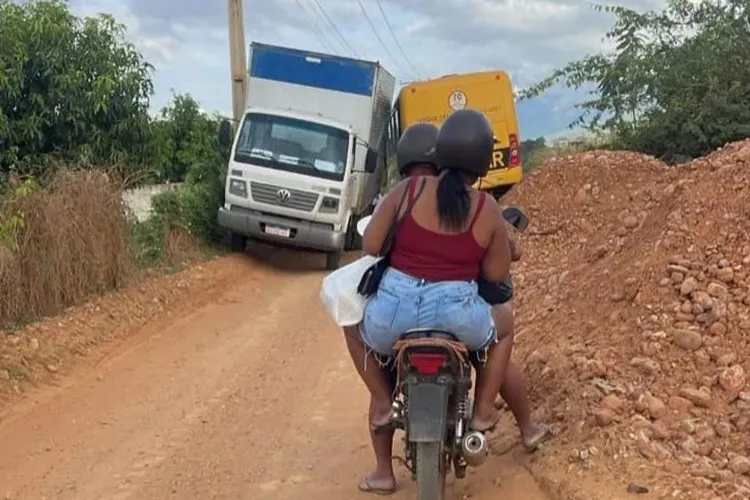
403, 302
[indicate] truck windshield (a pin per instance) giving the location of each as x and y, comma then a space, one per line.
293, 145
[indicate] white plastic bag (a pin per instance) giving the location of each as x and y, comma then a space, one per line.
339, 295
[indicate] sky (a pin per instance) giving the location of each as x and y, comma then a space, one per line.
186, 41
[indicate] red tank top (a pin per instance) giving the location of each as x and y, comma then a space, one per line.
433, 256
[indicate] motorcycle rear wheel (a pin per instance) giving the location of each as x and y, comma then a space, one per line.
431, 471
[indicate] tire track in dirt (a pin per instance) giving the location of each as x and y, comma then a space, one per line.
249, 396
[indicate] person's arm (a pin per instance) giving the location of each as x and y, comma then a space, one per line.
515, 248
382, 219
497, 258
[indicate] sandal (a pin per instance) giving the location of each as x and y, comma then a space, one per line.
543, 436
491, 428
366, 486
391, 424
385, 428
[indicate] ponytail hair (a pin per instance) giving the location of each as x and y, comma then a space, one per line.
453, 200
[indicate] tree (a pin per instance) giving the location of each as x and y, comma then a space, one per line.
676, 85
186, 136
530, 146
189, 152
70, 88
530, 152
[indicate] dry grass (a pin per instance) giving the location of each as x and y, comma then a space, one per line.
181, 246
73, 243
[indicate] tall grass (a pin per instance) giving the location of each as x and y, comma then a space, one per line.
61, 244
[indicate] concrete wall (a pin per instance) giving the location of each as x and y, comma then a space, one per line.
139, 199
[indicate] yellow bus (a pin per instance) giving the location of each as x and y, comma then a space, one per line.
490, 92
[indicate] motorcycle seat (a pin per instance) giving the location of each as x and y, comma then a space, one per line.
430, 333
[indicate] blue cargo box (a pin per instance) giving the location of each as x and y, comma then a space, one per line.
323, 71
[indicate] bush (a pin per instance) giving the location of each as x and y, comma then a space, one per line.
148, 241
194, 205
676, 85
71, 239
68, 242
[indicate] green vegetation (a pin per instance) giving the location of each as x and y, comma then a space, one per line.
74, 94
531, 152
75, 131
535, 151
676, 84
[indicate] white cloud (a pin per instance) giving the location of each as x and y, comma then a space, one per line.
187, 39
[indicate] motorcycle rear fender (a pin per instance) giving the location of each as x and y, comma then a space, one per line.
427, 412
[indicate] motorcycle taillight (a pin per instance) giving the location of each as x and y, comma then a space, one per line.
428, 363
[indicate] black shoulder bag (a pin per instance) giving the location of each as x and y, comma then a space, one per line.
371, 278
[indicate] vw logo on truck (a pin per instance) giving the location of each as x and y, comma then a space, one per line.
283, 195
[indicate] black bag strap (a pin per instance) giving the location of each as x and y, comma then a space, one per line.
396, 224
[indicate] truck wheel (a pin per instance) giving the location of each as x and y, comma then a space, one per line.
238, 243
333, 260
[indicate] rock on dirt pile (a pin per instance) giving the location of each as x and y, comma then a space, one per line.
633, 316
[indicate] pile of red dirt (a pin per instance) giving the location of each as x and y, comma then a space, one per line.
633, 318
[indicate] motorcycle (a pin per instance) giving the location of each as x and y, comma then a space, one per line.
433, 401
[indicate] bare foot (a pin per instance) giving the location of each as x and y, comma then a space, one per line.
380, 485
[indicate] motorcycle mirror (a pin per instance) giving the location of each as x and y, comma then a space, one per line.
362, 224
516, 217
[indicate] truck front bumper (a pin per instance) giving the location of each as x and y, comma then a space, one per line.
302, 234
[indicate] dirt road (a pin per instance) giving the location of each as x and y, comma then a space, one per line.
249, 396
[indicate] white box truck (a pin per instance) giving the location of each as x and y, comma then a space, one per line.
306, 161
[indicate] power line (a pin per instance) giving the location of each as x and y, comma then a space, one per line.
395, 39
335, 28
321, 36
372, 26
324, 24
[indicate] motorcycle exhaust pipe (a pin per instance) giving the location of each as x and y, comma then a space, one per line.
397, 413
475, 448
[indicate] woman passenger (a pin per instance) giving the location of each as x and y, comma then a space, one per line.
452, 234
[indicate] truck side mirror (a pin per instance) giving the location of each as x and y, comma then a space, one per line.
225, 133
371, 161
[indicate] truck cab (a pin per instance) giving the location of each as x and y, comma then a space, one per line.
304, 161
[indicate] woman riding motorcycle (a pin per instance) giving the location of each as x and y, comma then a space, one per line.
416, 157
451, 234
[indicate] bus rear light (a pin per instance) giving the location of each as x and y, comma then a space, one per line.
515, 153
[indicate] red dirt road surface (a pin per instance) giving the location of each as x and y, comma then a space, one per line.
235, 385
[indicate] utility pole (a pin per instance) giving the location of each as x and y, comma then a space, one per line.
238, 64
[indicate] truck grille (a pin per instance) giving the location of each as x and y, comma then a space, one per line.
274, 195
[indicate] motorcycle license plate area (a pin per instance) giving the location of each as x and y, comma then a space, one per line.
428, 404
281, 232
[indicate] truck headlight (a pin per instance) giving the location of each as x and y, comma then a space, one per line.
329, 205
238, 188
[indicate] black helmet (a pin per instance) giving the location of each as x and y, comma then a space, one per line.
417, 145
465, 142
